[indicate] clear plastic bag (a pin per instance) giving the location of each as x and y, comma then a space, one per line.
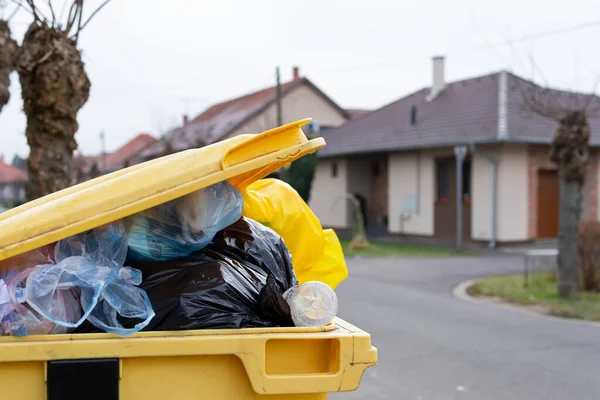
16, 317
90, 267
184, 225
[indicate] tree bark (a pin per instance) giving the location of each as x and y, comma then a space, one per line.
8, 48
54, 88
570, 152
568, 259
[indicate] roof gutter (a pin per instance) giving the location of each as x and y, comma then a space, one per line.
494, 162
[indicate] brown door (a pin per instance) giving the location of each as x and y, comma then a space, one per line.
445, 203
548, 204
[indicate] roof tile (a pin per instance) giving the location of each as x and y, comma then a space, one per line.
10, 174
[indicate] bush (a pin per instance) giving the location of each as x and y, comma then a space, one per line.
589, 254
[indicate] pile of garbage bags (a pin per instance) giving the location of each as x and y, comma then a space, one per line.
216, 258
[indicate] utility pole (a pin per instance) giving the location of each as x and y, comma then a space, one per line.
103, 150
278, 98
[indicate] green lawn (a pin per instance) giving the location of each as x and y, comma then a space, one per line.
381, 249
540, 292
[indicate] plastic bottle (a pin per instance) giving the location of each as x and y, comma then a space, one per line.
312, 304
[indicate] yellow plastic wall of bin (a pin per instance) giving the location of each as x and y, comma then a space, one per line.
280, 363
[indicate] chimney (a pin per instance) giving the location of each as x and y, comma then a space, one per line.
185, 119
439, 83
296, 71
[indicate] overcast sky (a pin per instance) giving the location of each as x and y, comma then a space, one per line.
151, 61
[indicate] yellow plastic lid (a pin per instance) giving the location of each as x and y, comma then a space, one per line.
241, 160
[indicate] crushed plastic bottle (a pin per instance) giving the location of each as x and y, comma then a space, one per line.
312, 304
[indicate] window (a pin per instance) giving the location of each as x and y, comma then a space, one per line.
442, 179
466, 180
334, 170
413, 115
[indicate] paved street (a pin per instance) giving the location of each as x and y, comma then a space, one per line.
434, 346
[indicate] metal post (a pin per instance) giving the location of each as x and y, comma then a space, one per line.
103, 147
526, 271
494, 232
460, 152
278, 97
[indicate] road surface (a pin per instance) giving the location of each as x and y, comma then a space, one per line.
433, 346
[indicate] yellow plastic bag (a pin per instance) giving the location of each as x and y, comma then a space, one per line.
316, 253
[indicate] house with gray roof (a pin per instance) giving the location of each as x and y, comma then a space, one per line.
401, 162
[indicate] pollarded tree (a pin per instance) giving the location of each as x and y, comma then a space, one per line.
54, 88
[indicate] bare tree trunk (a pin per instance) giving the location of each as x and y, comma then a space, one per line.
54, 87
570, 152
8, 48
568, 259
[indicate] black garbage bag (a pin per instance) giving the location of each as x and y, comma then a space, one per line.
237, 281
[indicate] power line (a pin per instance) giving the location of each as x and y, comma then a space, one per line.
487, 45
544, 34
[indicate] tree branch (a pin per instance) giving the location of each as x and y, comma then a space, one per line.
79, 22
19, 6
70, 15
100, 7
73, 16
36, 13
52, 11
592, 95
534, 103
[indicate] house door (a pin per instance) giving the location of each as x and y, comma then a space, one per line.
548, 204
445, 202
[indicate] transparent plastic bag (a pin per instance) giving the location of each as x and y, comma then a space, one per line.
16, 317
184, 225
90, 265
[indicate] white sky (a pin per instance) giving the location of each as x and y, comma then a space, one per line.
152, 61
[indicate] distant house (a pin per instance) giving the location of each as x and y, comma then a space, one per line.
20, 163
88, 167
12, 185
400, 161
253, 113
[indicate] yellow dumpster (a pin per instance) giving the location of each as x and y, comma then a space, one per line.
269, 363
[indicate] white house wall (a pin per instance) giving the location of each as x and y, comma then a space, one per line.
359, 181
405, 183
327, 189
512, 193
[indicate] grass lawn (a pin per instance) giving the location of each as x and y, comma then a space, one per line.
541, 292
381, 249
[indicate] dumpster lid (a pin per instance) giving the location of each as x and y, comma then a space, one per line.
240, 160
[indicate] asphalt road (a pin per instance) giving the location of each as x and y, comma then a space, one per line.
433, 346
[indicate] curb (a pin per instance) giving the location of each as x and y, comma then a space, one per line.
460, 292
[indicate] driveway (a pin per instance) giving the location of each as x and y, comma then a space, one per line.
434, 346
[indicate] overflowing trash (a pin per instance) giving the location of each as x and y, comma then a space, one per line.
191, 263
84, 279
184, 225
316, 253
312, 304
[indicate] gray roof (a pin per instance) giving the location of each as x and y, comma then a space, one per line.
490, 108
